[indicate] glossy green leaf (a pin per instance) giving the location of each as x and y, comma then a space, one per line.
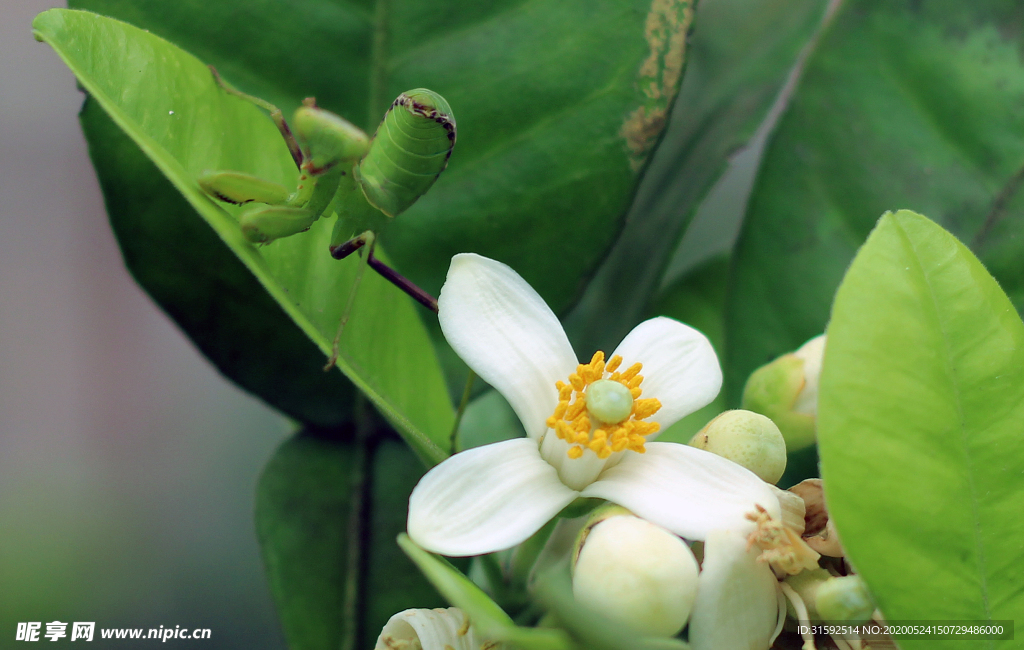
327, 513
740, 55
167, 102
920, 412
544, 95
904, 104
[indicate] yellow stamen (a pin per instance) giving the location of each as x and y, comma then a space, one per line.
781, 546
572, 423
642, 408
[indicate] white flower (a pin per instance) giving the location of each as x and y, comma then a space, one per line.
430, 629
739, 603
582, 441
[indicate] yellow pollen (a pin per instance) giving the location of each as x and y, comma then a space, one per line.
571, 423
781, 547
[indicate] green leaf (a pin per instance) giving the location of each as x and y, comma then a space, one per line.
489, 619
304, 510
317, 496
222, 306
167, 102
904, 104
393, 584
489, 419
919, 425
741, 53
544, 94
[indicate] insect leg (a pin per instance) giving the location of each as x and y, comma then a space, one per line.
342, 251
366, 239
275, 114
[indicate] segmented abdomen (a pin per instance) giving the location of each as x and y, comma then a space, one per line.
409, 151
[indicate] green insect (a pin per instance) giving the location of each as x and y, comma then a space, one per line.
366, 181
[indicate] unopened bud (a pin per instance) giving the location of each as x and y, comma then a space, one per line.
844, 599
748, 439
831, 598
786, 390
430, 629
635, 573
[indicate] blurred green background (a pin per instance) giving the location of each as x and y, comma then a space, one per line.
127, 464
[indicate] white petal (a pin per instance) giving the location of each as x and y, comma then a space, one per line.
737, 603
680, 367
485, 499
577, 473
435, 629
507, 334
686, 490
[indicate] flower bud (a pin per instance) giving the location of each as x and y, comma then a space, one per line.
844, 599
429, 629
786, 390
635, 573
748, 439
831, 598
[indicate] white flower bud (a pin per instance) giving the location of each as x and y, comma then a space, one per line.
637, 574
429, 629
786, 390
748, 439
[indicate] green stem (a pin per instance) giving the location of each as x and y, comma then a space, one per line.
356, 525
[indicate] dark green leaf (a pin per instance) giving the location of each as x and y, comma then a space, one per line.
904, 104
919, 426
741, 53
393, 583
337, 574
304, 509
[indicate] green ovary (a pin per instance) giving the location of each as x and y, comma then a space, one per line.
609, 401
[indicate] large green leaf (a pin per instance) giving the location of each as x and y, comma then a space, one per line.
328, 510
920, 428
904, 104
741, 53
222, 305
167, 102
548, 98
